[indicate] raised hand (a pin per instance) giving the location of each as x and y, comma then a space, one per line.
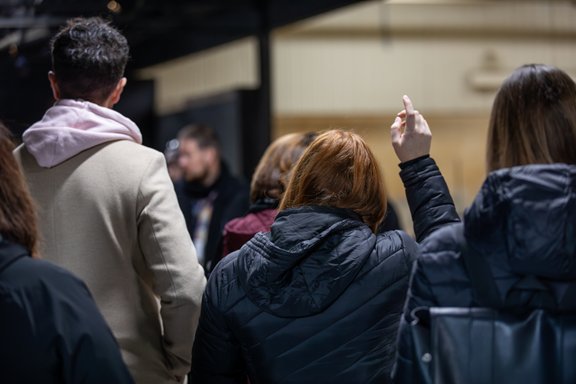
416, 139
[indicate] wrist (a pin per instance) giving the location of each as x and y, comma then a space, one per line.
408, 163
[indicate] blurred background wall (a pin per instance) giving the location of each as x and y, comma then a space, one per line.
349, 68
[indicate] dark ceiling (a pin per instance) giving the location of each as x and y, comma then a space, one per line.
157, 30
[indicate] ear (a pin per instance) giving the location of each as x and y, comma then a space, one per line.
54, 85
115, 95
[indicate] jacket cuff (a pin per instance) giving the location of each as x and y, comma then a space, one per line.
411, 173
408, 163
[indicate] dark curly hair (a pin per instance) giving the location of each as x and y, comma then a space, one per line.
88, 58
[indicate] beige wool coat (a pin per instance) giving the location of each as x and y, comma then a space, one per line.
110, 215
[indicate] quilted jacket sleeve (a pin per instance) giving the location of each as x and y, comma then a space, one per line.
428, 196
216, 356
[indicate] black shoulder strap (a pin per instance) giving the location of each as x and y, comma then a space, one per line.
478, 269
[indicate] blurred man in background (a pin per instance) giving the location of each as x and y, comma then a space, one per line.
208, 195
108, 211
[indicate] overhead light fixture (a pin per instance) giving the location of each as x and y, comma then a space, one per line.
114, 6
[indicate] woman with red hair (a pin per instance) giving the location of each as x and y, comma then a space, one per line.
50, 328
319, 298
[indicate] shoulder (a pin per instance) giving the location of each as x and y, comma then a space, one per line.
397, 249
396, 241
226, 271
135, 154
252, 223
222, 280
24, 158
441, 245
29, 274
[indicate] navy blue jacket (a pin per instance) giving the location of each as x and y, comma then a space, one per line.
522, 221
319, 298
50, 329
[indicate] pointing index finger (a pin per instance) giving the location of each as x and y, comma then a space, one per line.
408, 105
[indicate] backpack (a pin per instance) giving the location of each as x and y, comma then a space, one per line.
497, 342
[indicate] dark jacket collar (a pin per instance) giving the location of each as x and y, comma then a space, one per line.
310, 257
296, 225
263, 204
198, 191
10, 252
524, 219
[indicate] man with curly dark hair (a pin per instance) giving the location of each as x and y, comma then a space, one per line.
108, 210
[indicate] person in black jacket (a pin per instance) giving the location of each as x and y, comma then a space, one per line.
209, 195
319, 299
51, 331
522, 220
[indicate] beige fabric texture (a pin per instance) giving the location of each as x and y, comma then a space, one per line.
110, 216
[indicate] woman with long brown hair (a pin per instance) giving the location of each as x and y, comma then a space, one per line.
50, 328
319, 298
520, 227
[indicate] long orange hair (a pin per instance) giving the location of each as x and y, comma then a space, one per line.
338, 170
17, 214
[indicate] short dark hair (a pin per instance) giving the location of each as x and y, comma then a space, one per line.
88, 58
533, 119
204, 135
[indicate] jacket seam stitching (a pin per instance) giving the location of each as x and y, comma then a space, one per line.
363, 304
147, 219
342, 318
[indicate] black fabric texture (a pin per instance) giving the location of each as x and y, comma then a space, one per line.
390, 222
263, 204
316, 300
522, 223
408, 163
232, 201
50, 328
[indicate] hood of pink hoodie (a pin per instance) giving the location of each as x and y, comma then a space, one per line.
73, 126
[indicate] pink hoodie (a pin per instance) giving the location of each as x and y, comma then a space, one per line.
72, 126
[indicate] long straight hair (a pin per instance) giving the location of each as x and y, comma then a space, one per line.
17, 213
338, 170
533, 119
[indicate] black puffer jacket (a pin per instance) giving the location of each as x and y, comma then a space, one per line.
317, 300
523, 222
